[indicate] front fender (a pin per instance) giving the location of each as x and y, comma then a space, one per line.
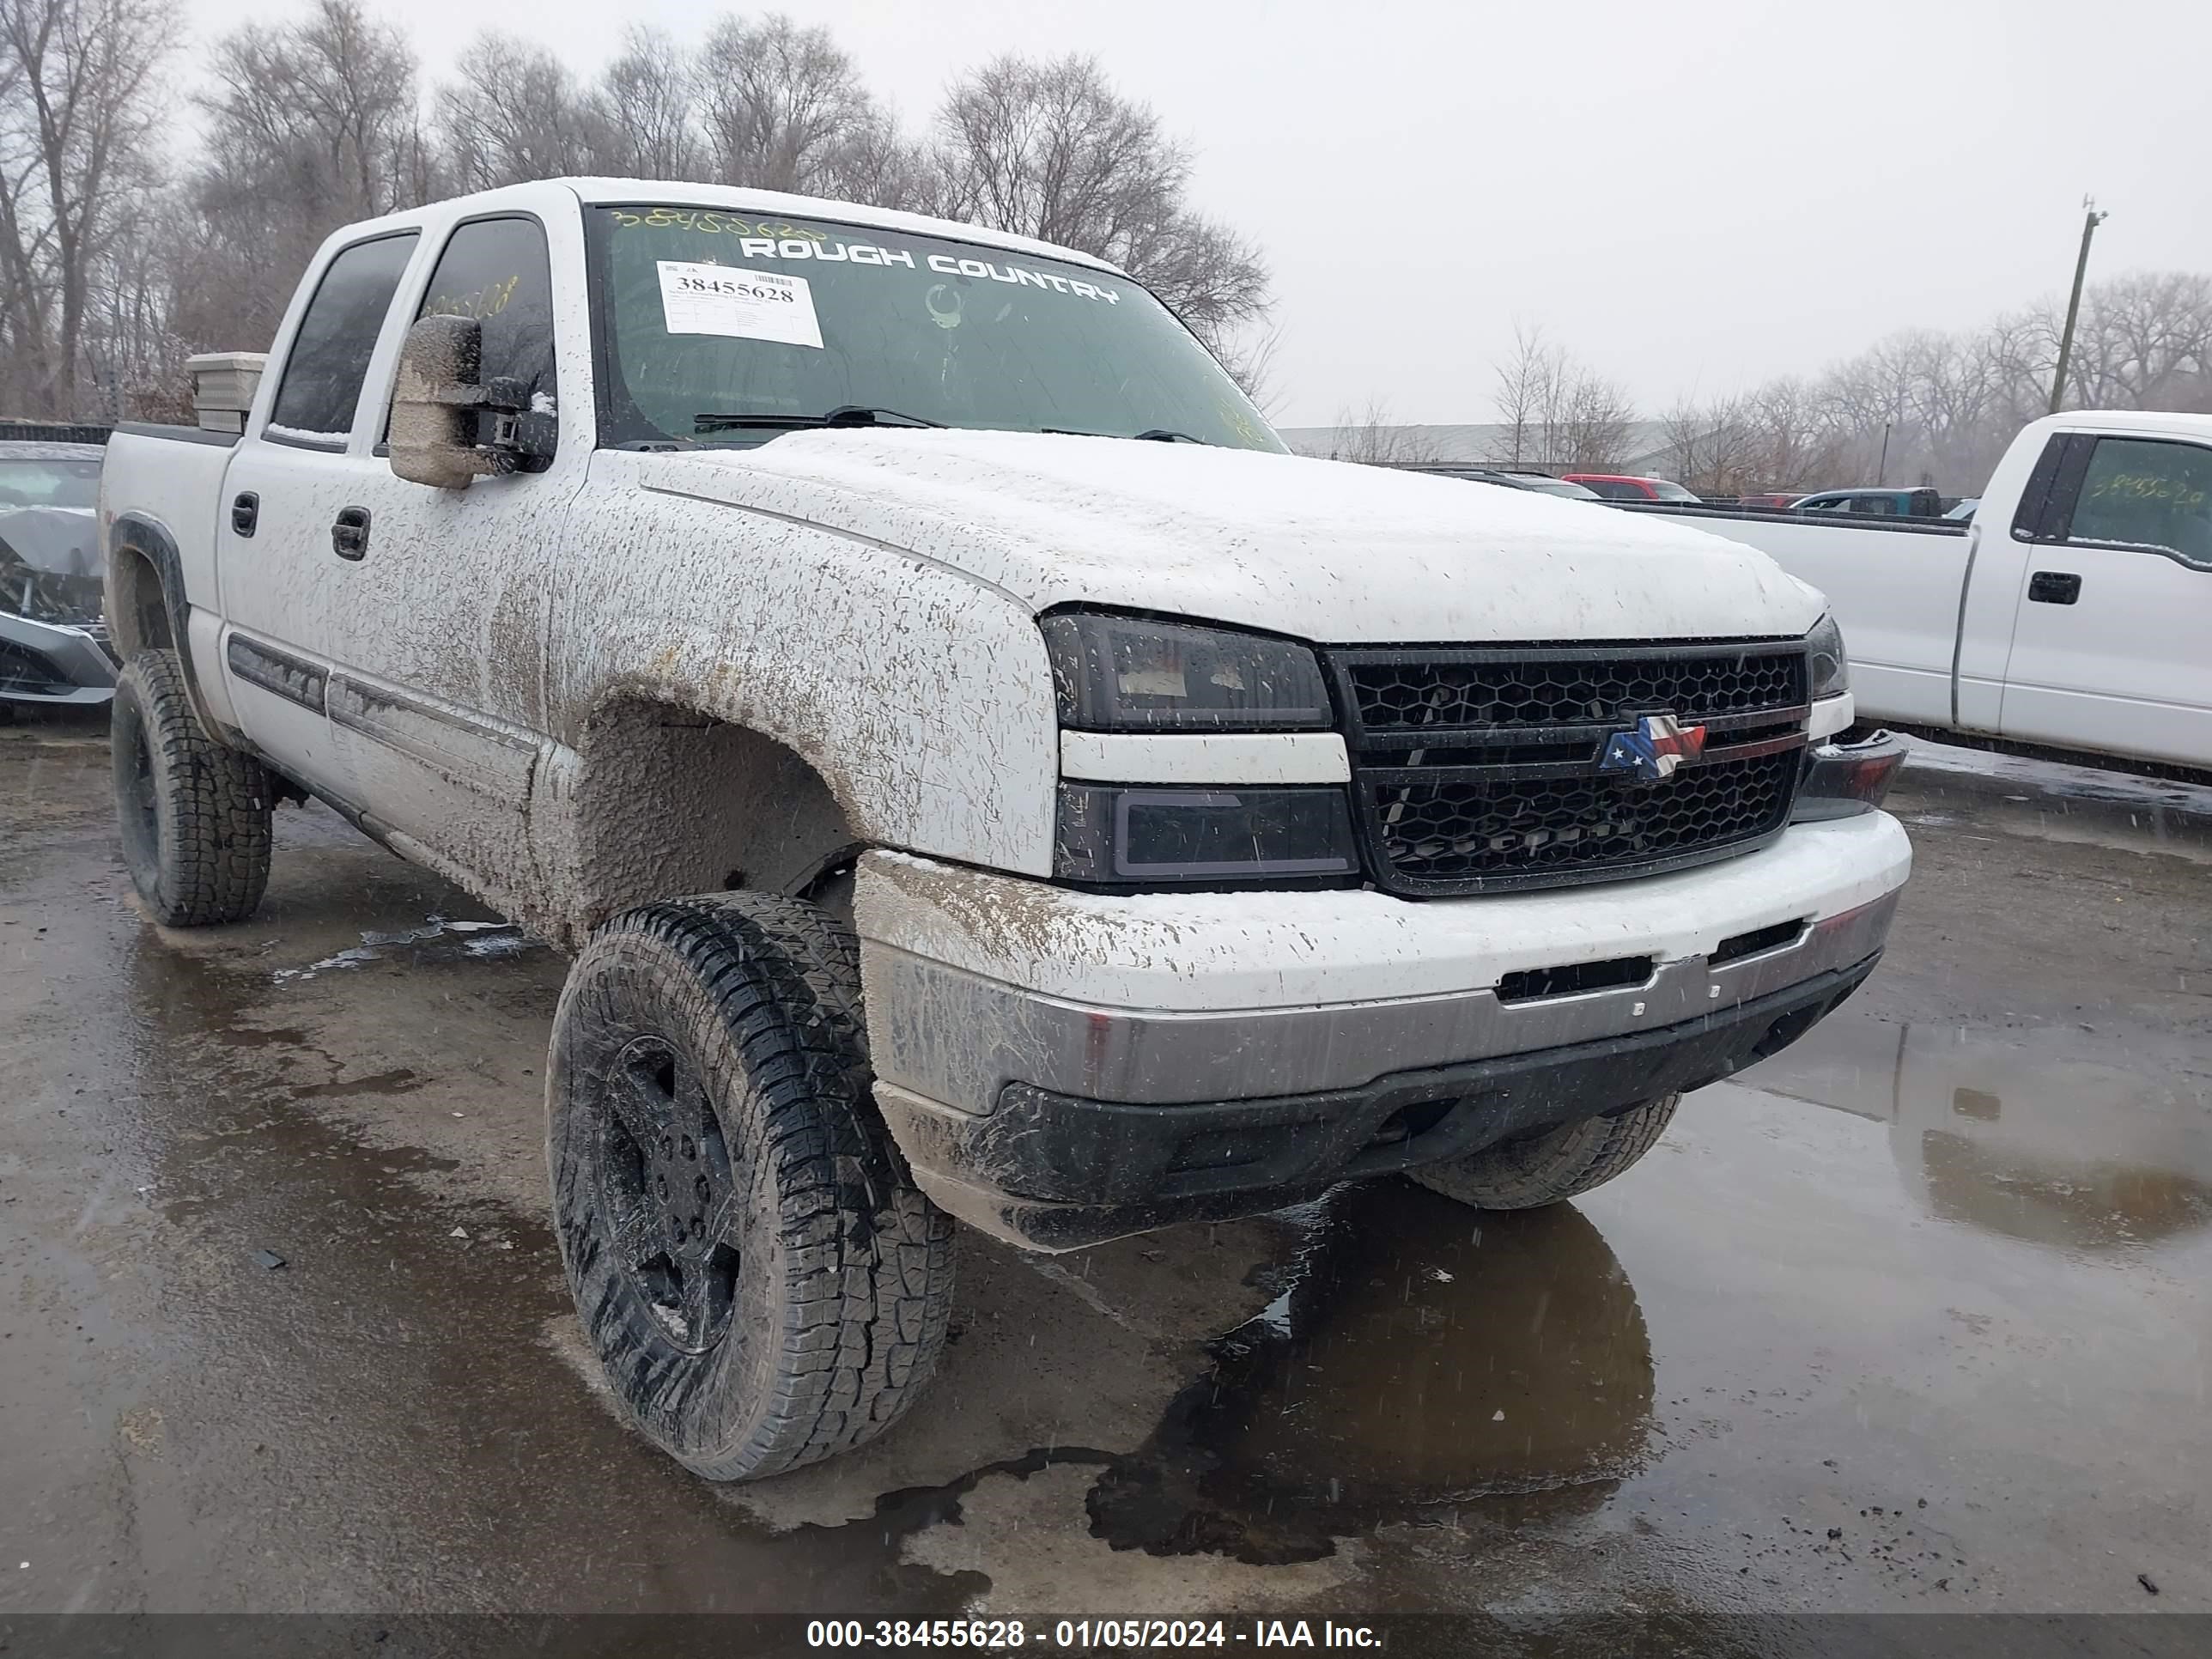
921, 696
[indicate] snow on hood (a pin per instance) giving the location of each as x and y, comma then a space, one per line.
57, 541
1324, 550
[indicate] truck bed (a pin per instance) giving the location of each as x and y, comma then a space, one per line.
1896, 584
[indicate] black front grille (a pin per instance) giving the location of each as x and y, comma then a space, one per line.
1463, 831
1507, 692
1479, 768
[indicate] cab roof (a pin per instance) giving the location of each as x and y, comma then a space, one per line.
542, 193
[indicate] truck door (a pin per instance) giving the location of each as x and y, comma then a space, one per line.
439, 679
286, 552
2115, 605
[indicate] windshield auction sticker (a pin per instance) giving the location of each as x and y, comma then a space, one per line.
744, 305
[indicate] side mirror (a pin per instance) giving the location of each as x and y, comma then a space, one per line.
447, 428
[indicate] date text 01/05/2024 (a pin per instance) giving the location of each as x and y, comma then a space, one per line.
1006, 1635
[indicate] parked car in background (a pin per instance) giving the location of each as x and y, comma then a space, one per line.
944, 826
1771, 501
2071, 615
1875, 500
1622, 487
1542, 482
52, 643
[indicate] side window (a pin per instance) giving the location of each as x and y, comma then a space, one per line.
2141, 492
496, 270
1877, 504
330, 354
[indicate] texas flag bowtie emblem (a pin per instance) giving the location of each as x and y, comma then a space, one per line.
1653, 748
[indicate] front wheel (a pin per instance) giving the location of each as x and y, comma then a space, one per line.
1551, 1164
764, 1284
194, 814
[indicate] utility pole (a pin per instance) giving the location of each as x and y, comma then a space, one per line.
2090, 219
1881, 467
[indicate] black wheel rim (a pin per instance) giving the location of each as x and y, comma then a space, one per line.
670, 1192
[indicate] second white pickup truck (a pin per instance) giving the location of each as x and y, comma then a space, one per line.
979, 773
2073, 616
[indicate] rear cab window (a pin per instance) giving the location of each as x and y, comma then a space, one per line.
329, 352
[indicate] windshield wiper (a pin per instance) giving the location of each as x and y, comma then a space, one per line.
1159, 434
843, 415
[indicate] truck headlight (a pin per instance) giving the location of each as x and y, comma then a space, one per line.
1827, 670
1132, 674
1151, 836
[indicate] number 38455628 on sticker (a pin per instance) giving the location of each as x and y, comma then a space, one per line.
740, 304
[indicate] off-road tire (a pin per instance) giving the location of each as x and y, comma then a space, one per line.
829, 1273
1551, 1166
194, 814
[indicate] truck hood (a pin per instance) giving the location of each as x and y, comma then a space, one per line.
1324, 550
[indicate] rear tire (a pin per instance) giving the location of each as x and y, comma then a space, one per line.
762, 1280
194, 814
1554, 1164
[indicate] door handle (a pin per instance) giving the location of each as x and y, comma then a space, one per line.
2053, 587
246, 512
349, 534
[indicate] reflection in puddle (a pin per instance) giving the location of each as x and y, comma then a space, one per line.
1419, 1354
476, 938
2061, 1153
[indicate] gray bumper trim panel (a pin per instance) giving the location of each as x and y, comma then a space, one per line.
958, 1039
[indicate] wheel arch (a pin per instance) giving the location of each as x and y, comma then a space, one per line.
661, 797
148, 609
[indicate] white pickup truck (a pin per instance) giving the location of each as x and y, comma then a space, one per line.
2073, 617
979, 773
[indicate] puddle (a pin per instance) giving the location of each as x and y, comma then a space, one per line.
2076, 1156
476, 939
1418, 1356
1944, 788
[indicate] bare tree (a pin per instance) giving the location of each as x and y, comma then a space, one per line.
1367, 435
1053, 151
513, 113
648, 104
1527, 397
309, 127
1710, 447
784, 108
1591, 433
1251, 358
79, 118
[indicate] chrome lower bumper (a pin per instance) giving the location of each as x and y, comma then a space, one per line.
957, 1039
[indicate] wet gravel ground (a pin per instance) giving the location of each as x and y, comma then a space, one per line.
1912, 1318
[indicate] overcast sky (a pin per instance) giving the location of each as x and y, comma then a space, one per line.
1693, 196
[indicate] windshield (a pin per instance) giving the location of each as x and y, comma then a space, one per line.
1670, 492
708, 319
49, 483
1560, 487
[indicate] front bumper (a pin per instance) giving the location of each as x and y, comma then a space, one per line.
48, 663
1026, 1038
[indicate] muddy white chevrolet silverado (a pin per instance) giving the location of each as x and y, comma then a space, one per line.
979, 773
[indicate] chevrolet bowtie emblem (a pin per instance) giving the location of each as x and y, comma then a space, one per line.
1653, 748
